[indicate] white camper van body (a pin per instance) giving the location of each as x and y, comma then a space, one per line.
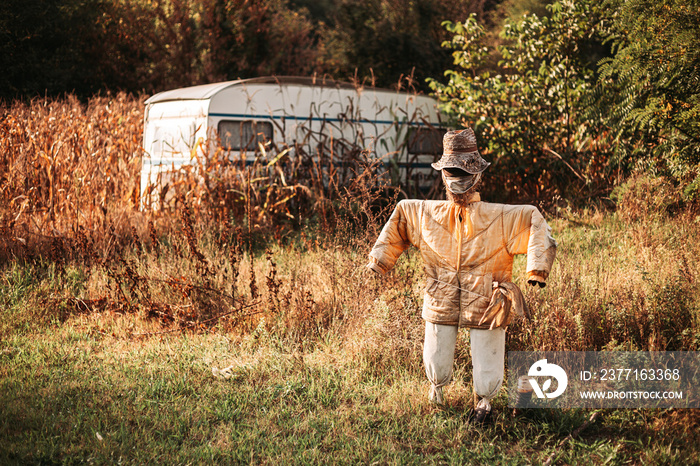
237, 115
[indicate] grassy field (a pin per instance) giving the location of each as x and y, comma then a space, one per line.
72, 395
116, 323
113, 386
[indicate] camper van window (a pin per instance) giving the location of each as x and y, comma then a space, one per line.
425, 141
244, 135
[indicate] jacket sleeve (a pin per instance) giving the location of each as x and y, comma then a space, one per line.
526, 232
395, 237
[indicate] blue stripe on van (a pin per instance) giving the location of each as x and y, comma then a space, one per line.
294, 117
385, 164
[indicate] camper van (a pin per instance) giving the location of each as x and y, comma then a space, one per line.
243, 117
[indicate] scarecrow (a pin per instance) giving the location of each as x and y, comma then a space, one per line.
467, 247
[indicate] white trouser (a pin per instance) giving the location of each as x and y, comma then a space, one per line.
488, 352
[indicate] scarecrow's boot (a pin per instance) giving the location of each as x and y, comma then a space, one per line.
482, 412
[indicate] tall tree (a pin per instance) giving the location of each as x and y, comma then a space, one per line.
650, 88
382, 41
169, 43
47, 46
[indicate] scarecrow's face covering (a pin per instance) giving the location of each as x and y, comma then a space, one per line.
459, 184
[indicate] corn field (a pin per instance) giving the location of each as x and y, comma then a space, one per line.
70, 196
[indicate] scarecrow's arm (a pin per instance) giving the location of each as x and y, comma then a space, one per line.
394, 238
527, 232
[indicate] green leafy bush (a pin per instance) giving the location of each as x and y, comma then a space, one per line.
529, 112
650, 87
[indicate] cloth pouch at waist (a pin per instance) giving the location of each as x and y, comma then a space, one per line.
506, 299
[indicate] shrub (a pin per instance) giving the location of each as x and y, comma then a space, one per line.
529, 112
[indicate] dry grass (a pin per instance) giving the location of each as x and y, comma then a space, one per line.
69, 193
618, 285
282, 243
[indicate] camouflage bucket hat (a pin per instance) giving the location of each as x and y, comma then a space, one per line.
459, 151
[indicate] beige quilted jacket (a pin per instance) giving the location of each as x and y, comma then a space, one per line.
466, 250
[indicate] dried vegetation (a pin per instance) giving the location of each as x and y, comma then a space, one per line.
279, 246
274, 244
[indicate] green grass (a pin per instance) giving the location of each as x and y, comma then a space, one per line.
334, 376
73, 395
